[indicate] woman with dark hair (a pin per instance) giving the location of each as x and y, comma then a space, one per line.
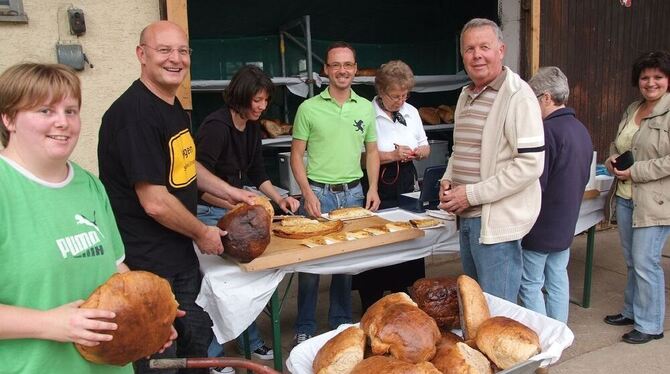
228, 144
642, 200
400, 140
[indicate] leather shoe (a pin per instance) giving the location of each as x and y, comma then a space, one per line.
636, 337
618, 320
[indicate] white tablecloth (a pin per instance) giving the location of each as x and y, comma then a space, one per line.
591, 212
234, 298
554, 336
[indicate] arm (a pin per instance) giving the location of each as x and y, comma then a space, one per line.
215, 201
525, 134
400, 153
167, 210
66, 323
122, 268
422, 151
208, 182
372, 200
285, 203
311, 203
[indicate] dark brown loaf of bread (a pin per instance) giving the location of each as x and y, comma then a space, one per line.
248, 228
145, 309
439, 299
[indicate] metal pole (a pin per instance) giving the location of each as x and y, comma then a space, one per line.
308, 41
275, 317
282, 54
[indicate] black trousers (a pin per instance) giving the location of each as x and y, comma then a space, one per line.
372, 284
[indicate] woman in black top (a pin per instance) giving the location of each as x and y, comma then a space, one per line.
228, 144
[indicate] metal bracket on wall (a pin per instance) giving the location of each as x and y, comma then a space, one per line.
72, 55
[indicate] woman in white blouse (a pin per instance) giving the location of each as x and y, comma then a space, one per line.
400, 140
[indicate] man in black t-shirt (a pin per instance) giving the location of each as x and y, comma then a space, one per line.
146, 158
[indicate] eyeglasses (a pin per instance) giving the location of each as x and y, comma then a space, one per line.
166, 51
397, 98
540, 95
338, 66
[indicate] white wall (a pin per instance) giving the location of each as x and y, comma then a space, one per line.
112, 32
510, 23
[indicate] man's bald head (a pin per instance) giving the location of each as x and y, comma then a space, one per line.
148, 33
165, 58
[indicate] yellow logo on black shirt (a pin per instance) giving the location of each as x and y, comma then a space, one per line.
182, 159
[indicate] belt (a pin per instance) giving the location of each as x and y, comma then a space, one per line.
336, 187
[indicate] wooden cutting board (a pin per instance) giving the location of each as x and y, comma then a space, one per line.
282, 251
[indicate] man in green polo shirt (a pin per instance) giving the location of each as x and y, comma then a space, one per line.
333, 127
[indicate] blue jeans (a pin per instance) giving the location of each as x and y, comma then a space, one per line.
644, 297
340, 285
210, 215
551, 271
497, 267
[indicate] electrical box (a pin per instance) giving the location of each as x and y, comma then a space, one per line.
77, 22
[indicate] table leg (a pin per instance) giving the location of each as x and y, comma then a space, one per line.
275, 313
588, 266
588, 269
247, 347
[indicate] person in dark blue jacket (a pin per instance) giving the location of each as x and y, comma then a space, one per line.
567, 164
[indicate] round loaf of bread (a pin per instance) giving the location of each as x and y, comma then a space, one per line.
145, 309
438, 297
507, 342
341, 353
248, 228
370, 322
390, 365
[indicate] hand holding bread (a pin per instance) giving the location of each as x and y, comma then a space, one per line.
144, 308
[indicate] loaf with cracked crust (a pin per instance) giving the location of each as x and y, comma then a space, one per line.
145, 309
248, 228
397, 326
438, 297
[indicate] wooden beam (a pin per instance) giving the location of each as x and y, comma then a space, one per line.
535, 37
177, 13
